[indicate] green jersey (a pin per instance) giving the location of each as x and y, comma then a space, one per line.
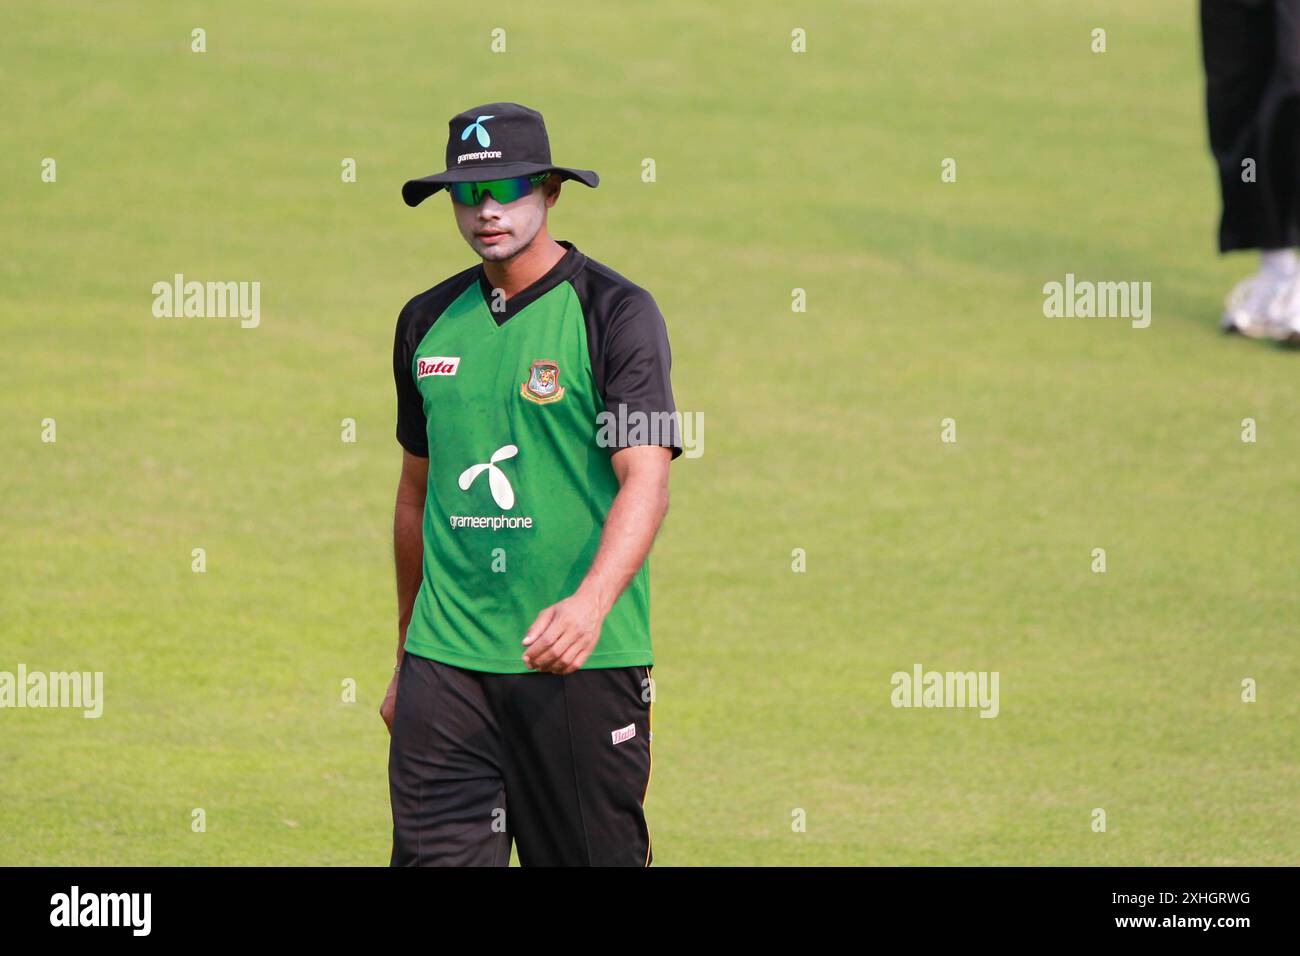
518, 409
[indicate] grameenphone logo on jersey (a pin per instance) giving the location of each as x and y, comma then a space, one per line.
484, 140
503, 493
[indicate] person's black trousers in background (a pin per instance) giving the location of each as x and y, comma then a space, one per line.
560, 765
1252, 95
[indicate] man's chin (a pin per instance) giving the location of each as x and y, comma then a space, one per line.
497, 251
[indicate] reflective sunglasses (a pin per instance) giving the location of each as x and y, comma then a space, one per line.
502, 190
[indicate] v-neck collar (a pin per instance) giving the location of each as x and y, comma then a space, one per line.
565, 267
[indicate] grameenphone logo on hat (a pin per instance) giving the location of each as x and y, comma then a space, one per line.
484, 140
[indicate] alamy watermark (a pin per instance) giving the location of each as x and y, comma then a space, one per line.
922, 688
214, 300
620, 428
75, 908
1085, 299
77, 690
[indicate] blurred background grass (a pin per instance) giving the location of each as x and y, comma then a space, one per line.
774, 171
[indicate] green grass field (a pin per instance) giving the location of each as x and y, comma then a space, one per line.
775, 171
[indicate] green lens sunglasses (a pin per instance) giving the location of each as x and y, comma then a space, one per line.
502, 190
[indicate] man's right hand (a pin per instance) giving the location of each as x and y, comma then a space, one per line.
389, 706
408, 557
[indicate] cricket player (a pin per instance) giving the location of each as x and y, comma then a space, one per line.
1251, 51
536, 417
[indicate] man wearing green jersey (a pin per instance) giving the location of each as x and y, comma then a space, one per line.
536, 414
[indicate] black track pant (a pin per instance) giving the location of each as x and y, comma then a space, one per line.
560, 765
1252, 94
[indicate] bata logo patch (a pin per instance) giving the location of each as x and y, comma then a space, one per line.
543, 383
437, 365
623, 733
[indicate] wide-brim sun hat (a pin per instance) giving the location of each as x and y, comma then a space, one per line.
494, 141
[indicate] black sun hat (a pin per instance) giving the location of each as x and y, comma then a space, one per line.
494, 141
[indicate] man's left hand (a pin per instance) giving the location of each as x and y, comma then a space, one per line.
564, 634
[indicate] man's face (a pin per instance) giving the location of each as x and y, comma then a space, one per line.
495, 231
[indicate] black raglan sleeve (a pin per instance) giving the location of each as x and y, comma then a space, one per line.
412, 428
637, 362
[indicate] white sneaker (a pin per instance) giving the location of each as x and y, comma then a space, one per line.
1257, 305
1287, 309
1254, 306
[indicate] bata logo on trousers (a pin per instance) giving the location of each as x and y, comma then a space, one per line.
623, 733
437, 365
